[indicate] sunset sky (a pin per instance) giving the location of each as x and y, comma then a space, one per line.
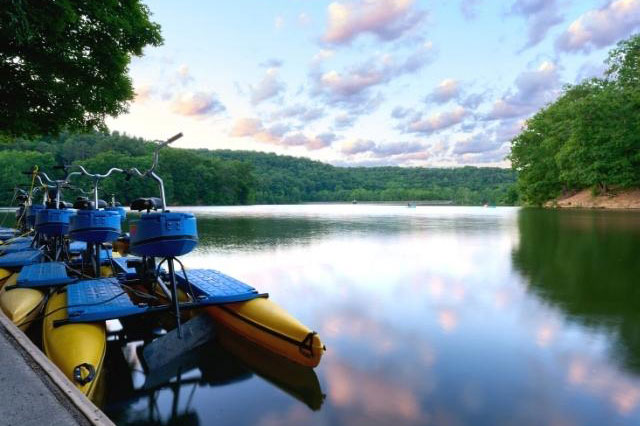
366, 82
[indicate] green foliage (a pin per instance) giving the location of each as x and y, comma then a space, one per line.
63, 63
589, 137
14, 163
203, 177
283, 179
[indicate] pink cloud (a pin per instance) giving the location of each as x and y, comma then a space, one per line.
196, 104
535, 88
601, 27
270, 86
445, 91
278, 135
352, 85
387, 19
439, 121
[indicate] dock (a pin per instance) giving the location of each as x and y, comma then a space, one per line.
33, 391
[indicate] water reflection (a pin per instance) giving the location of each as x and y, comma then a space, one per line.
433, 315
587, 263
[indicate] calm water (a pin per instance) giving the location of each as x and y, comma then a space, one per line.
432, 315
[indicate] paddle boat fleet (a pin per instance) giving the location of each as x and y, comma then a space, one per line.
69, 268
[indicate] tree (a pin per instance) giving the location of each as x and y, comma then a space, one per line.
588, 137
64, 63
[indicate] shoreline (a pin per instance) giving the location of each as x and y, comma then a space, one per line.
628, 199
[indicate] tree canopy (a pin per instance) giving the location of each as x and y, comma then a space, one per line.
64, 63
588, 138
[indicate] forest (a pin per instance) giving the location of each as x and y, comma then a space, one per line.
224, 177
588, 138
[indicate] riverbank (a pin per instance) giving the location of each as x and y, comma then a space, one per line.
625, 199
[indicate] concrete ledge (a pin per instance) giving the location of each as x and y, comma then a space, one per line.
77, 406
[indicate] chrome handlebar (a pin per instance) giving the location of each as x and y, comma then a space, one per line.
151, 172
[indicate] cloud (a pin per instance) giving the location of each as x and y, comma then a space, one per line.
475, 144
352, 85
184, 75
343, 120
269, 87
322, 56
380, 150
400, 112
534, 89
300, 112
278, 134
272, 63
196, 104
320, 141
601, 27
386, 19
143, 93
469, 8
436, 122
541, 16
445, 91
357, 146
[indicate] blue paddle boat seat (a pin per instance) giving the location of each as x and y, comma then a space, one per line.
44, 275
20, 259
214, 287
15, 246
121, 265
103, 299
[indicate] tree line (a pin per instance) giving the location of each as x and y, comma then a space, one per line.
225, 177
588, 138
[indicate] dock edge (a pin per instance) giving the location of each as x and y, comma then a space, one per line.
77, 399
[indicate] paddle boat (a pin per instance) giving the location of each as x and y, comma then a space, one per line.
142, 282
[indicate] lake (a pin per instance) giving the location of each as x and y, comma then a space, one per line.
430, 315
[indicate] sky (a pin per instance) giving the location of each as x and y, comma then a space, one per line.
366, 82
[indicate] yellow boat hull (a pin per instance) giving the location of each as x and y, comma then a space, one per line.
4, 275
268, 325
20, 305
77, 349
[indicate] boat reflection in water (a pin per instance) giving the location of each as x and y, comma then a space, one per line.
164, 396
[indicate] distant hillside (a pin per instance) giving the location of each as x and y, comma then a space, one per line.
204, 177
284, 179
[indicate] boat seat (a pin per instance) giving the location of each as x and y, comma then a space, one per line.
212, 287
20, 258
83, 203
125, 265
44, 275
99, 300
62, 205
15, 246
147, 204
103, 298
